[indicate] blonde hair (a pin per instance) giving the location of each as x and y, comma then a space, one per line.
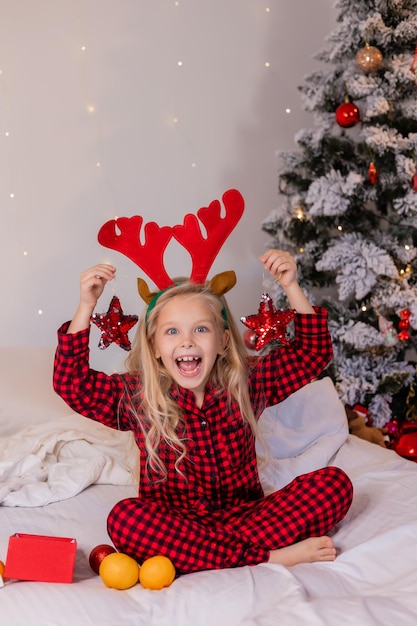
158, 415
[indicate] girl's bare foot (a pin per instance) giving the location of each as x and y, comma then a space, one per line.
306, 551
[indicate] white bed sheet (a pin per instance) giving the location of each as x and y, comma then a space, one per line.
372, 582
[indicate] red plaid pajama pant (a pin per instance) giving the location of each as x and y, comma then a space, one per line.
309, 506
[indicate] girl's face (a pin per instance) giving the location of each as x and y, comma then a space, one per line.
187, 340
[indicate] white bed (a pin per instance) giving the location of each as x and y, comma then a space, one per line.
372, 581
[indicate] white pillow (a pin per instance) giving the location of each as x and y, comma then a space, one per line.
26, 393
302, 433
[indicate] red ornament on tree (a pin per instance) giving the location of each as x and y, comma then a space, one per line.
404, 325
372, 172
268, 323
347, 114
114, 325
414, 182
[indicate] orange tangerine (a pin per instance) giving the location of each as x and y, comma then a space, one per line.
119, 571
156, 572
2, 568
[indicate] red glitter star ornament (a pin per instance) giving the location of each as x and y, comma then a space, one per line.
114, 325
268, 323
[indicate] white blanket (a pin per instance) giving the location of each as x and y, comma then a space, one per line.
56, 460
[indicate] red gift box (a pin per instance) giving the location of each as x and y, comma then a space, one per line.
41, 558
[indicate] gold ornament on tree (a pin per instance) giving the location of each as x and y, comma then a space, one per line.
369, 59
411, 413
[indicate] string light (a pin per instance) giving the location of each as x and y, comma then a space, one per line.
404, 272
91, 110
175, 121
87, 108
299, 213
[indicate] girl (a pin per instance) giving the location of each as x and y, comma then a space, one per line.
191, 396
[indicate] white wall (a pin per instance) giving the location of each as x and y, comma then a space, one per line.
231, 121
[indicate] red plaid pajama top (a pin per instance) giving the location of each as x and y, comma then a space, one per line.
213, 514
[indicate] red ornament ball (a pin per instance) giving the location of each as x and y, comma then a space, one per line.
347, 115
372, 173
249, 338
392, 427
404, 324
405, 441
97, 554
407, 446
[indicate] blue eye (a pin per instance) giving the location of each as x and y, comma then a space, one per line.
201, 329
172, 331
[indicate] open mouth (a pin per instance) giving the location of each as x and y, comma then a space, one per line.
189, 365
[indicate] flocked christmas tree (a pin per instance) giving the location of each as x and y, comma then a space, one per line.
348, 202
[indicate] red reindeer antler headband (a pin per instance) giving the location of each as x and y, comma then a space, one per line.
123, 234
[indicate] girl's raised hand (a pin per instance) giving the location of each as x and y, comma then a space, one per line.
93, 281
281, 265
283, 268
